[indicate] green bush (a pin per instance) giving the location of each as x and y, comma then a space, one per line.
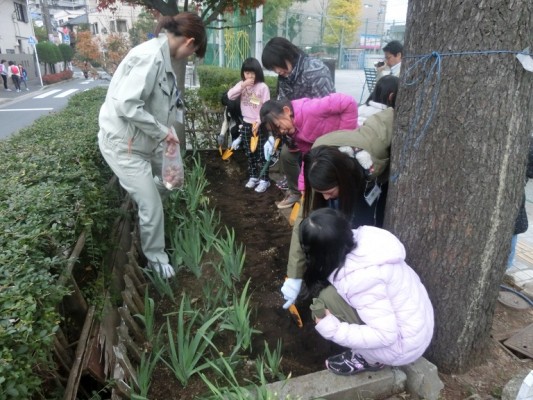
215, 81
51, 189
66, 52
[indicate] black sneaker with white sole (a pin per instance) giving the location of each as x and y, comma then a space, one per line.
350, 363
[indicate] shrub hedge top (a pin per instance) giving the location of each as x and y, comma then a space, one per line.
51, 189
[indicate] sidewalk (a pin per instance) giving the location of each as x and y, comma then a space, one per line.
522, 270
34, 85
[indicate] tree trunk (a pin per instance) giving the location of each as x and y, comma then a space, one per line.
456, 184
180, 67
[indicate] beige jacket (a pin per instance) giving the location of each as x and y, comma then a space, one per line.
375, 137
140, 102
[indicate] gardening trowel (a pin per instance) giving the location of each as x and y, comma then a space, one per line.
294, 212
227, 153
255, 137
267, 161
295, 314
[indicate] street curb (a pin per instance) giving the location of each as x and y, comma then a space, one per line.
328, 386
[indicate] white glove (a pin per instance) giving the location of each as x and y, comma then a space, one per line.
348, 150
291, 289
364, 159
220, 139
235, 144
268, 148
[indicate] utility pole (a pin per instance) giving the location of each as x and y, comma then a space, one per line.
46, 20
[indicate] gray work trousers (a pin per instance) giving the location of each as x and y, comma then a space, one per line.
290, 163
140, 178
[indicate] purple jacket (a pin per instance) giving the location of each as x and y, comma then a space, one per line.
316, 117
388, 297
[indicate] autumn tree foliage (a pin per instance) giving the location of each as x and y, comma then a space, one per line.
116, 47
87, 48
342, 21
209, 9
145, 25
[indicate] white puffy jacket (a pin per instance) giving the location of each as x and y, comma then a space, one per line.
388, 297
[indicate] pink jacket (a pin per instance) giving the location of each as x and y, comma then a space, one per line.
388, 297
316, 117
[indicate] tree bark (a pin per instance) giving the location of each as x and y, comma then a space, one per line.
180, 67
456, 184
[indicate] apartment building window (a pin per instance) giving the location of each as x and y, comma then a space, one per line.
20, 11
122, 26
112, 26
94, 28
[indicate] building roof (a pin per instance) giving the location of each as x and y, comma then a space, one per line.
82, 19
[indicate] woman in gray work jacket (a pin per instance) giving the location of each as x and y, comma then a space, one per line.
137, 116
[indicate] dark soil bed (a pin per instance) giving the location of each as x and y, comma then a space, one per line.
265, 232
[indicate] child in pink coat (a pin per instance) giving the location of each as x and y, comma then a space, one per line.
367, 298
302, 121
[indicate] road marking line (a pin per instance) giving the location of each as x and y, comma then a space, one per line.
27, 109
51, 92
66, 93
85, 83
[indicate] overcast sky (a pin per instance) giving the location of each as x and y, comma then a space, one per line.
396, 10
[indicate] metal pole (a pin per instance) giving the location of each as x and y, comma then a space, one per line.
220, 42
287, 25
259, 33
340, 45
34, 39
38, 65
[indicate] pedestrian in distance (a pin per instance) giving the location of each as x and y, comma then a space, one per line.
13, 70
300, 122
365, 296
253, 93
23, 76
85, 69
3, 74
141, 105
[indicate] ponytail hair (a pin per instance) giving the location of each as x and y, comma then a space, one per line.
188, 25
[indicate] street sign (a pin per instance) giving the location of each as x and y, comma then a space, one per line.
31, 40
66, 38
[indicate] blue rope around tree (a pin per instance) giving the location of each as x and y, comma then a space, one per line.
431, 65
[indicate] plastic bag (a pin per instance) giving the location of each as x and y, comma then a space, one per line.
172, 171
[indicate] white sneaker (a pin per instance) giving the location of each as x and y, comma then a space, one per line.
252, 182
262, 186
28, 89
165, 270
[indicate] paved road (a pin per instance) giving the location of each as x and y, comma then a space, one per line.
18, 110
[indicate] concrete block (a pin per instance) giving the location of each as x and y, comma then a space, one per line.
423, 381
511, 389
325, 385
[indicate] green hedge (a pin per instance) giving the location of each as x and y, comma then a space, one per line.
214, 81
51, 189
